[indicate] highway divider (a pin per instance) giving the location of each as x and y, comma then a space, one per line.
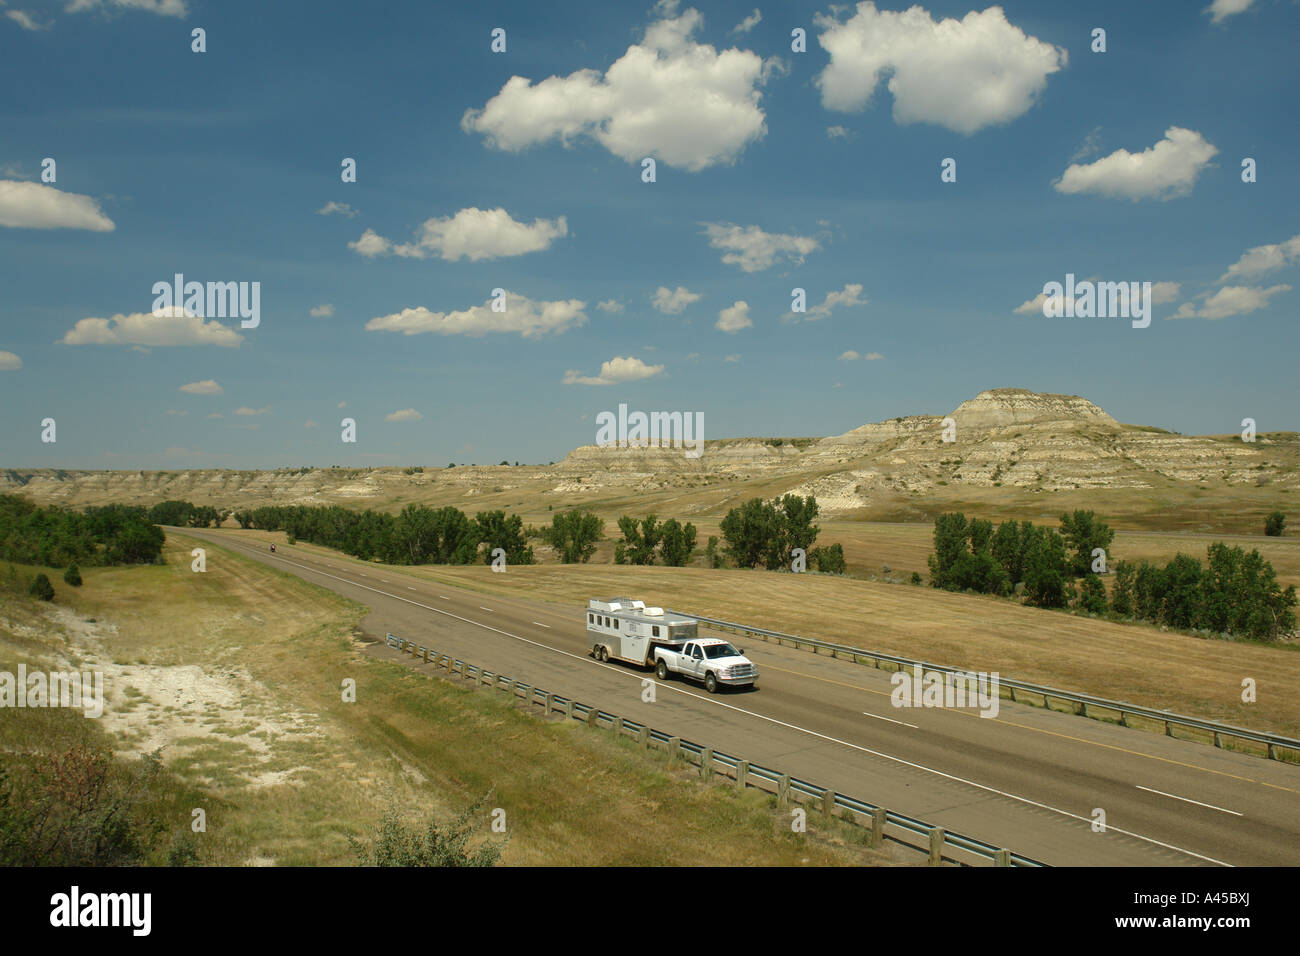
941, 845
1084, 705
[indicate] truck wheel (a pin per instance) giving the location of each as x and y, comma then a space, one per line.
661, 670
711, 683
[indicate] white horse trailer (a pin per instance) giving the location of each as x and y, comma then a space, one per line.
626, 630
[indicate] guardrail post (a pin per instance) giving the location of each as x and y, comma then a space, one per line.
706, 763
1013, 700
1123, 719
1169, 732
877, 826
426, 655
1217, 741
549, 704
783, 790
1269, 751
451, 665
1083, 708
592, 714
828, 803
643, 737
936, 846
568, 709
742, 775
674, 749
513, 687
1002, 858
618, 726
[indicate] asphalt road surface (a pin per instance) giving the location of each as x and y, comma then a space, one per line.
1028, 779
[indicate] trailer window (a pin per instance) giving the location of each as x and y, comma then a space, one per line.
607, 622
591, 618
616, 624
684, 632
654, 630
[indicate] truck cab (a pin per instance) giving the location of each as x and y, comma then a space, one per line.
710, 660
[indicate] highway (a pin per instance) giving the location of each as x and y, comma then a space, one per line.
1029, 779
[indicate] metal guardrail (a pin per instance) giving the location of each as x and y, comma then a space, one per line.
1271, 742
884, 824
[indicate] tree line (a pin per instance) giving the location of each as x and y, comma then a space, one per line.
55, 536
1234, 593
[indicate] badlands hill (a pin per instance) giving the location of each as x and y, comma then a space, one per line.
1015, 452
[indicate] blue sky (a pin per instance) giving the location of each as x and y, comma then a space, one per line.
774, 170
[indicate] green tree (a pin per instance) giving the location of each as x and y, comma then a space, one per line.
72, 576
711, 556
42, 588
498, 531
1092, 595
829, 559
574, 535
1083, 534
1183, 599
1274, 524
677, 543
1121, 599
1046, 570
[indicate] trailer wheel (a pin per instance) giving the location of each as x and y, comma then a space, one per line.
595, 651
661, 670
604, 653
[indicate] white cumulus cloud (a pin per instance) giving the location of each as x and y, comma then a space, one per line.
684, 103
26, 205
10, 362
614, 372
734, 318
404, 415
321, 311
965, 74
1220, 10
172, 326
1166, 170
672, 303
850, 295
530, 319
753, 249
472, 234
852, 356
1262, 259
333, 208
1229, 301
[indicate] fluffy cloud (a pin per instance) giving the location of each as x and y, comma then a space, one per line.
332, 208
734, 318
1229, 301
682, 102
610, 305
753, 249
9, 362
404, 415
1220, 10
1263, 259
837, 132
321, 311
1166, 170
245, 410
36, 206
1161, 293
852, 356
472, 234
206, 387
963, 74
24, 20
672, 303
530, 319
169, 327
850, 295
614, 372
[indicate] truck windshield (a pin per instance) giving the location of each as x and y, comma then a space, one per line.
721, 650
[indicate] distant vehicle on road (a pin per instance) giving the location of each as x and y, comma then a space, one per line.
624, 629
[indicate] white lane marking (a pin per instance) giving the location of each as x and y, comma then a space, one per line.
409, 588
1175, 796
444, 597
890, 719
540, 624
482, 608
772, 720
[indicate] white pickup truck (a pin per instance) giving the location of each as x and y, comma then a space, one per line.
708, 659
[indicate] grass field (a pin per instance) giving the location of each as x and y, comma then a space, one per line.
236, 675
